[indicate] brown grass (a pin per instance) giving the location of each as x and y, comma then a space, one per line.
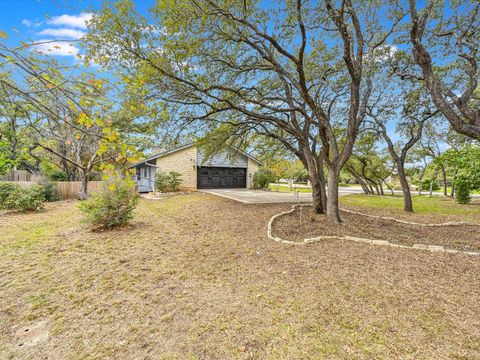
195, 277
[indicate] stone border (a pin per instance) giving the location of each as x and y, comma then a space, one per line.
431, 248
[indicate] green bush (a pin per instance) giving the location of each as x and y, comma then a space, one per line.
426, 186
162, 180
5, 190
28, 199
175, 180
262, 178
462, 190
56, 175
112, 206
50, 192
168, 181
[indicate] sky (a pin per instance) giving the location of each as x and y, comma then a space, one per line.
47, 20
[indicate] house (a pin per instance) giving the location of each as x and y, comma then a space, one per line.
226, 169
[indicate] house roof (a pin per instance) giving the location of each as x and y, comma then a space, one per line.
182, 147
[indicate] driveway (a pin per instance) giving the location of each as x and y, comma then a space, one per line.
260, 197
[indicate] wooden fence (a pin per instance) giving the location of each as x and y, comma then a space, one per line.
70, 189
66, 189
20, 175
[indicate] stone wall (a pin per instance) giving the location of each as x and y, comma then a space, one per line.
252, 169
184, 162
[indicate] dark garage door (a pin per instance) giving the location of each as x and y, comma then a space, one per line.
218, 177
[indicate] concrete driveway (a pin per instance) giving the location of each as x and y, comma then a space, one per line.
261, 197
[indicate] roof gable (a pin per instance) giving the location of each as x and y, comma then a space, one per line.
186, 146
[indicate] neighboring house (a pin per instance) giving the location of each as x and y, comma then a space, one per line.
232, 169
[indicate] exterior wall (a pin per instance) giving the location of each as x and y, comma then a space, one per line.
184, 162
252, 169
223, 159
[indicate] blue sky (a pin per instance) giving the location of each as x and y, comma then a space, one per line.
47, 20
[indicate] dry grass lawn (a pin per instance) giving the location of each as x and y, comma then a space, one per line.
196, 278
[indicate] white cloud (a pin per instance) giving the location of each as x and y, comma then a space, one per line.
55, 48
30, 23
62, 33
74, 21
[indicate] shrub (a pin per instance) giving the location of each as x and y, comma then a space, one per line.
50, 192
29, 199
462, 190
175, 180
168, 181
262, 178
56, 175
112, 206
426, 185
5, 190
162, 180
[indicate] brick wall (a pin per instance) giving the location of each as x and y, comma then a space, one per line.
184, 162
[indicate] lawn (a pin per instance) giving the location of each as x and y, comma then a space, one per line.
423, 205
195, 277
284, 188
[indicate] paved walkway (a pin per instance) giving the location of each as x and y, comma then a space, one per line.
260, 196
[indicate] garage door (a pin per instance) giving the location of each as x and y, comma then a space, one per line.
218, 177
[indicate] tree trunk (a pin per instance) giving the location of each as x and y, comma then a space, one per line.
407, 196
431, 187
444, 175
452, 192
381, 187
333, 212
362, 183
318, 194
83, 193
389, 187
318, 186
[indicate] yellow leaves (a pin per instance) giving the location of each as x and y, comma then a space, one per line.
111, 187
3, 35
84, 119
102, 148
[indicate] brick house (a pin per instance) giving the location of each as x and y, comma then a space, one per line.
227, 169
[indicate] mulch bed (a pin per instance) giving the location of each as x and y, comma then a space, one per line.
305, 223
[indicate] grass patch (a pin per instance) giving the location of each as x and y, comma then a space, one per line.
285, 188
421, 204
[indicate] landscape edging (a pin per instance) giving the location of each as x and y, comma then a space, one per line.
431, 248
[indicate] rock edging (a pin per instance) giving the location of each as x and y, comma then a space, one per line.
431, 248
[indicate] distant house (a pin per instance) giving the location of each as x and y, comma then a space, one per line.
227, 169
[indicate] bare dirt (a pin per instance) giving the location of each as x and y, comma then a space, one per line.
304, 223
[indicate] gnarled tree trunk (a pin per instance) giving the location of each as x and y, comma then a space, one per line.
333, 211
407, 196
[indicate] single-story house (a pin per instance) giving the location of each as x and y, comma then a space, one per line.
226, 169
